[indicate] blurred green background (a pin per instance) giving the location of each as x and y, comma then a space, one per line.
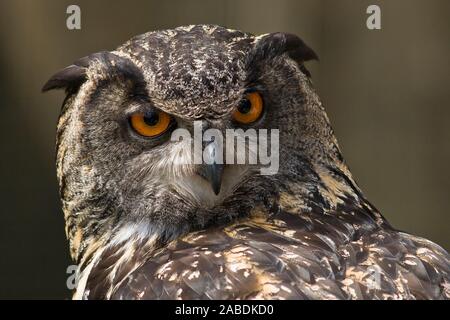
386, 91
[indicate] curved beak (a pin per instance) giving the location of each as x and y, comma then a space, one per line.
213, 174
212, 170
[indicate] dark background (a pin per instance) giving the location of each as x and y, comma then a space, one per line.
386, 92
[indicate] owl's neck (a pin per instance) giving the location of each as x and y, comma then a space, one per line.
317, 189
325, 187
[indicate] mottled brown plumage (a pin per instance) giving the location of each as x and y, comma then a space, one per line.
142, 227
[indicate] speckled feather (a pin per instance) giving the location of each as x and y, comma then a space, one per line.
140, 227
288, 255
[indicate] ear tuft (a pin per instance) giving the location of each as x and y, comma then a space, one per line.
274, 44
74, 75
69, 77
297, 49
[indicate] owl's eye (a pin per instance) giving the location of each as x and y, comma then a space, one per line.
150, 124
249, 109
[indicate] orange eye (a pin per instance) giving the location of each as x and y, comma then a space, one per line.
250, 108
150, 124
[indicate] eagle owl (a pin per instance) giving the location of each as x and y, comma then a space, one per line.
143, 226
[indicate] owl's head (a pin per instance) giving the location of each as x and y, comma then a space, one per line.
118, 163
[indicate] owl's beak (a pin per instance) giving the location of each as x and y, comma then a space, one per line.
213, 170
213, 174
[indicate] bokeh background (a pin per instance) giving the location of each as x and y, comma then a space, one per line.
386, 91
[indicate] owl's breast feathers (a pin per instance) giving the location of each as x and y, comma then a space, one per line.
342, 254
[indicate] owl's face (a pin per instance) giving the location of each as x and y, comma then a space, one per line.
116, 154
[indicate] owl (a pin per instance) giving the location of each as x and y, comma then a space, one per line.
144, 224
